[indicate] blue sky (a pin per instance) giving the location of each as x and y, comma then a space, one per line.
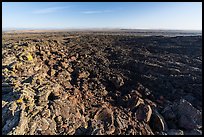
132, 15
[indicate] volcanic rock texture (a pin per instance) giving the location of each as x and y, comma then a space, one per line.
61, 83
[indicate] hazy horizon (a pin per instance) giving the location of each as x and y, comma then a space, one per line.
102, 15
97, 29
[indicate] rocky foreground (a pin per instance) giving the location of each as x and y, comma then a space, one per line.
88, 84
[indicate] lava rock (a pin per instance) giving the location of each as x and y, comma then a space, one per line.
51, 72
105, 116
175, 132
157, 122
189, 117
168, 113
144, 112
193, 132
117, 81
84, 75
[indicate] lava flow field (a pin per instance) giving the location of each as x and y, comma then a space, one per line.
74, 83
